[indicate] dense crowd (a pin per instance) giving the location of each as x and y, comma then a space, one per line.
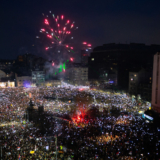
101, 137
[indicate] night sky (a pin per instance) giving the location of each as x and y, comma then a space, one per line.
99, 22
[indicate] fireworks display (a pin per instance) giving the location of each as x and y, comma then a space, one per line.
86, 46
57, 40
57, 29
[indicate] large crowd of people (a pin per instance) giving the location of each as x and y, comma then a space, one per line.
96, 137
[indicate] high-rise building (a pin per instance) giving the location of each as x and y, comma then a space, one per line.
6, 64
156, 83
77, 74
84, 57
120, 59
38, 77
140, 84
23, 80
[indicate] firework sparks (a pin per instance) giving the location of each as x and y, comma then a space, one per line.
86, 46
57, 30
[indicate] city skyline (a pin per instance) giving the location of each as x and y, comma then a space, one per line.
99, 23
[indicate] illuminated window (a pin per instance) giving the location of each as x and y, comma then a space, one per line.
150, 78
92, 59
131, 79
135, 75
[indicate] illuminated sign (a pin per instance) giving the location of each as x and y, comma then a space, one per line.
148, 117
111, 82
141, 112
31, 152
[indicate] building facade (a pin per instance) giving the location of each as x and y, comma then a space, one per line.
121, 59
84, 57
133, 82
78, 75
140, 84
38, 78
53, 83
156, 83
6, 64
24, 81
5, 84
2, 74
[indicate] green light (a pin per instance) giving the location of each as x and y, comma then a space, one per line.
64, 66
57, 38
60, 68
